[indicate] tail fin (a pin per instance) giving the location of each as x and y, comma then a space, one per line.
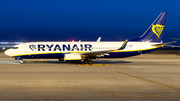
155, 31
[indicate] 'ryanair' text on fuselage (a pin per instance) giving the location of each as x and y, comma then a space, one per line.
62, 47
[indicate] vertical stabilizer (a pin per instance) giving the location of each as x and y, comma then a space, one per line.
155, 32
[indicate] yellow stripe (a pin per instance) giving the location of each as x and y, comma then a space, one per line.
74, 59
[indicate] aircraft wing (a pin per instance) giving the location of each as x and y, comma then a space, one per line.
105, 52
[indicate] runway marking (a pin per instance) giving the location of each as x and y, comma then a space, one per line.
28, 81
163, 87
64, 88
119, 93
149, 96
113, 96
175, 90
49, 87
37, 61
128, 93
67, 81
93, 65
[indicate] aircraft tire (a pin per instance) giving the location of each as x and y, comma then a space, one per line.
21, 62
85, 61
90, 62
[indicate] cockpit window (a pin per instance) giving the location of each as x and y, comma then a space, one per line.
14, 47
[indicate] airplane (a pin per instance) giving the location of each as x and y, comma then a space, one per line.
86, 51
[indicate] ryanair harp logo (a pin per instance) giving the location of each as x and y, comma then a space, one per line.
157, 29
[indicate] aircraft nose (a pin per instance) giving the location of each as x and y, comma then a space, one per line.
8, 52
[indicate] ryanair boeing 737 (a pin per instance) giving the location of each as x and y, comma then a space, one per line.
77, 51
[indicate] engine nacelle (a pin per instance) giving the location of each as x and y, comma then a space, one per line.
72, 57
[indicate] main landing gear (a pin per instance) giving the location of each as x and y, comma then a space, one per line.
88, 61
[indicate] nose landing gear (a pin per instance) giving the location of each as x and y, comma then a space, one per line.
20, 60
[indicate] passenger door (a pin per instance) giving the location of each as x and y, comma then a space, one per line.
26, 49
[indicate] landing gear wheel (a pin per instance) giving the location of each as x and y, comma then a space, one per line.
21, 61
86, 61
90, 62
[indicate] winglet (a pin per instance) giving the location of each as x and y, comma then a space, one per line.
123, 45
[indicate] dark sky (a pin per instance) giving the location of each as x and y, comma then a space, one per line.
60, 20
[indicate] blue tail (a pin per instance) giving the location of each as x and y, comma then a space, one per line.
155, 32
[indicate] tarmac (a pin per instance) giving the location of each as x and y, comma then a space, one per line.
140, 78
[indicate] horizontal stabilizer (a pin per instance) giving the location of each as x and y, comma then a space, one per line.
174, 38
163, 43
172, 46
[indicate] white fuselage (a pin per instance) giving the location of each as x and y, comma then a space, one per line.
35, 48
